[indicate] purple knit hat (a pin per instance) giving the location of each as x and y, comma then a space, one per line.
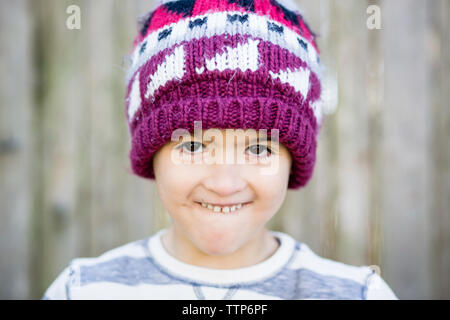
229, 64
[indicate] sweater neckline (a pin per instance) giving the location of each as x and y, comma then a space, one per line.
253, 273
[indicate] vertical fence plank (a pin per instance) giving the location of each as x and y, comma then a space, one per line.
327, 188
375, 103
106, 215
406, 162
352, 132
439, 60
16, 111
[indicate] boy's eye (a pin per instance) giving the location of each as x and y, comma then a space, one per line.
191, 146
260, 149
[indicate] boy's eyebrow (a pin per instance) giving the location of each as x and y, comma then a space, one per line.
254, 139
260, 139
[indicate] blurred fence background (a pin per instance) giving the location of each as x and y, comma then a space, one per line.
380, 194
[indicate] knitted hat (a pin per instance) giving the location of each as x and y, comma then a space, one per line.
229, 64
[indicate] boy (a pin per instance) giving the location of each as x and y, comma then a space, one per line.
252, 68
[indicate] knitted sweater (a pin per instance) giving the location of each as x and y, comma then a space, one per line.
143, 269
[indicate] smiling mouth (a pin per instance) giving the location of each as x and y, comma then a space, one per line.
234, 209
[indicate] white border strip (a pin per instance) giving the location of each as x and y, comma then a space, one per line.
217, 24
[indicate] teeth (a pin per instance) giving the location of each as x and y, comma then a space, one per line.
221, 209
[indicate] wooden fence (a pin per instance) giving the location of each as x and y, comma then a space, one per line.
380, 194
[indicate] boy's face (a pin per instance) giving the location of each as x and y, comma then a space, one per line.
204, 176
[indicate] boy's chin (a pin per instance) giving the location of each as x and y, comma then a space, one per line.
219, 243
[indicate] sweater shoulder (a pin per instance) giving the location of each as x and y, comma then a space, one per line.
306, 259
112, 266
131, 250
323, 278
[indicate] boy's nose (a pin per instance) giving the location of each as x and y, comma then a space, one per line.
225, 180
